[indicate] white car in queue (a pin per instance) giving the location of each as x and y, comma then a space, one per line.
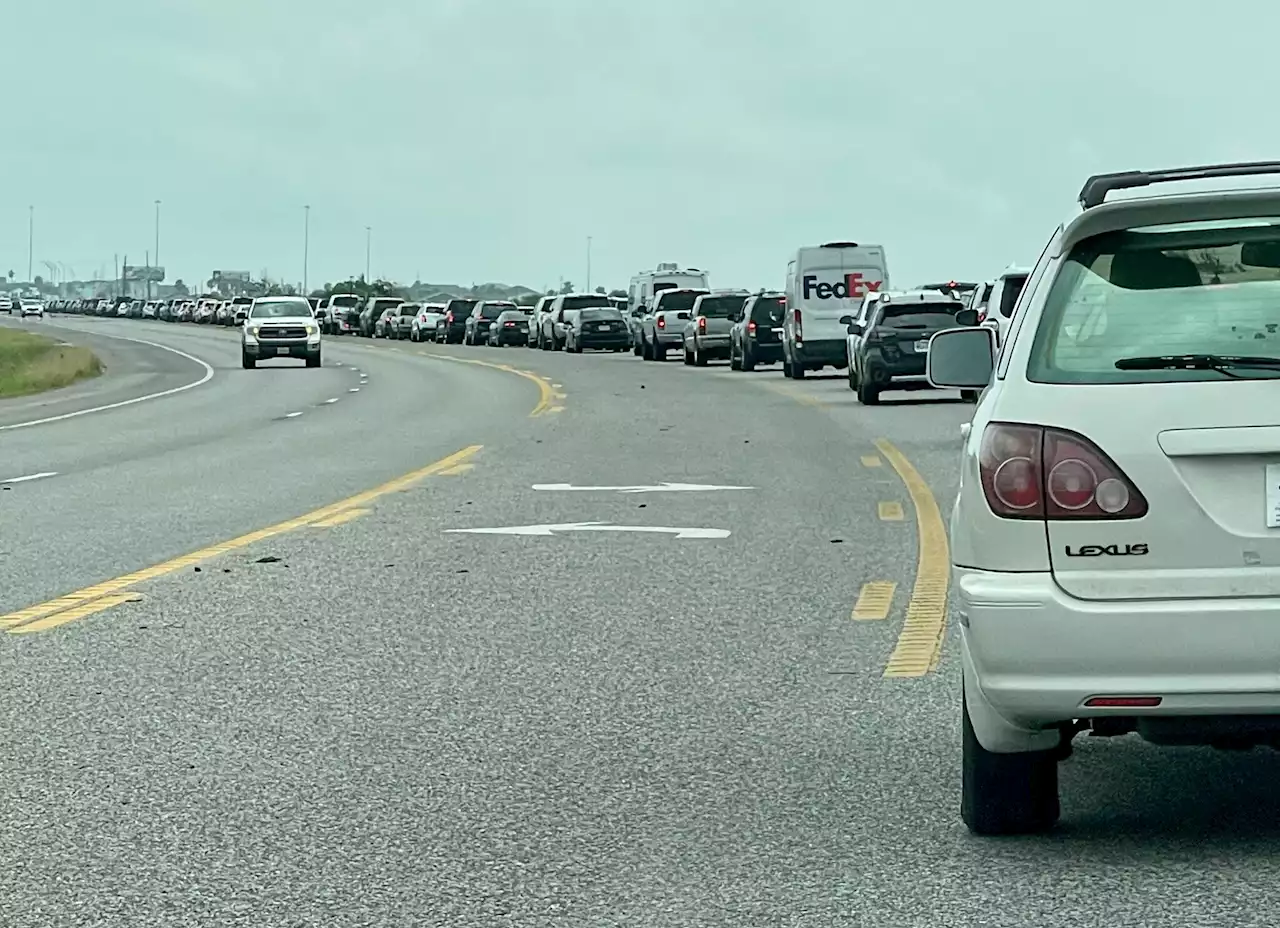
1115, 539
279, 327
31, 307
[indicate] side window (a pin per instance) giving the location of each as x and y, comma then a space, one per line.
1043, 263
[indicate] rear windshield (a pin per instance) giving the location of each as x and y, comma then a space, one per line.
679, 302
241, 300
345, 302
494, 310
768, 310
599, 315
1157, 291
460, 307
1012, 289
381, 306
721, 307
512, 315
409, 309
585, 302
919, 313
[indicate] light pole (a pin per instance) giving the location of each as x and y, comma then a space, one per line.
306, 244
368, 250
31, 240
588, 290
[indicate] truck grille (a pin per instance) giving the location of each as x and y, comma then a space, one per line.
280, 331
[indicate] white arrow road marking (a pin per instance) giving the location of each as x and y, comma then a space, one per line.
659, 488
292, 415
551, 529
49, 473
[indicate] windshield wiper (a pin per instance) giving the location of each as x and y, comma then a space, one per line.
1222, 363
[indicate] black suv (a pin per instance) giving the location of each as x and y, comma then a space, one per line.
756, 336
894, 342
454, 325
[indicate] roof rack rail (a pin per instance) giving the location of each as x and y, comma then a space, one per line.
1095, 189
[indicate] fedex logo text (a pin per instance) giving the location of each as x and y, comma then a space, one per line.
853, 287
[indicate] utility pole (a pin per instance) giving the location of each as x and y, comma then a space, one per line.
124, 269
158, 234
368, 249
147, 271
306, 244
31, 240
588, 289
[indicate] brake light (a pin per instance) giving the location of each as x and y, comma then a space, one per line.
702, 323
751, 328
982, 314
1124, 702
1032, 472
661, 323
449, 318
795, 319
509, 325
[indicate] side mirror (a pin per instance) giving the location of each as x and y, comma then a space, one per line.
961, 359
855, 328
967, 317
846, 320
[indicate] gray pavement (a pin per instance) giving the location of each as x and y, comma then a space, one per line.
399, 725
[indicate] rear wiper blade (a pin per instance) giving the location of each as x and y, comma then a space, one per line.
1222, 363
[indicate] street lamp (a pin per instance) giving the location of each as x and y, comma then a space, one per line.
306, 244
588, 290
368, 248
31, 239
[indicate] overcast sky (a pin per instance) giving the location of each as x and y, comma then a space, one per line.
487, 139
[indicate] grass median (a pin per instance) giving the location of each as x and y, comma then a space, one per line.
34, 363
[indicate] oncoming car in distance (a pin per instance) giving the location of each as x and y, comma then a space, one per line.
279, 327
30, 307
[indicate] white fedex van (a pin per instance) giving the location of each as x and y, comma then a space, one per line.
824, 283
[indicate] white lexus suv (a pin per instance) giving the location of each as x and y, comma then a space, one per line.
280, 327
1115, 540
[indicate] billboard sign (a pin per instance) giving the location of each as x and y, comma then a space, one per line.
135, 273
231, 275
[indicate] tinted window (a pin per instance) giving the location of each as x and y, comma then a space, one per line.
461, 308
493, 310
1168, 290
679, 302
598, 315
512, 316
241, 301
768, 311
409, 309
381, 306
583, 302
344, 301
658, 288
721, 307
1009, 298
914, 313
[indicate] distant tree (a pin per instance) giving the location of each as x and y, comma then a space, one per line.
180, 288
601, 290
566, 287
11, 275
39, 281
618, 293
551, 293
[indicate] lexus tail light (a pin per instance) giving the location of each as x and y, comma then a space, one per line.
702, 323
661, 323
1032, 472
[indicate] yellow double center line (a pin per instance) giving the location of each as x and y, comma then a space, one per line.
103, 596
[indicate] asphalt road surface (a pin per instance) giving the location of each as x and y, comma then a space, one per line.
398, 721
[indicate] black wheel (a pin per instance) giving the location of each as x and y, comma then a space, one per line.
853, 379
797, 372
699, 358
1006, 794
314, 360
868, 394
748, 361
247, 362
969, 396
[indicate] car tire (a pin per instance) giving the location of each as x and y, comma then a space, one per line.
313, 360
797, 372
868, 394
747, 363
699, 357
1006, 794
659, 351
853, 379
247, 362
688, 356
734, 363
969, 396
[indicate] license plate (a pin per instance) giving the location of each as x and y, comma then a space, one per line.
922, 345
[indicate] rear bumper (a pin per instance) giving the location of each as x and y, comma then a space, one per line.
1033, 655
765, 351
831, 352
882, 370
667, 338
604, 340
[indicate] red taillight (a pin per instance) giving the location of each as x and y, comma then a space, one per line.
449, 318
509, 325
661, 323
982, 314
702, 323
795, 319
751, 328
1124, 702
1031, 472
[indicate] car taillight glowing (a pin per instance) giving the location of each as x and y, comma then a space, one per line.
449, 318
982, 314
509, 325
751, 328
661, 323
702, 323
1032, 472
795, 319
